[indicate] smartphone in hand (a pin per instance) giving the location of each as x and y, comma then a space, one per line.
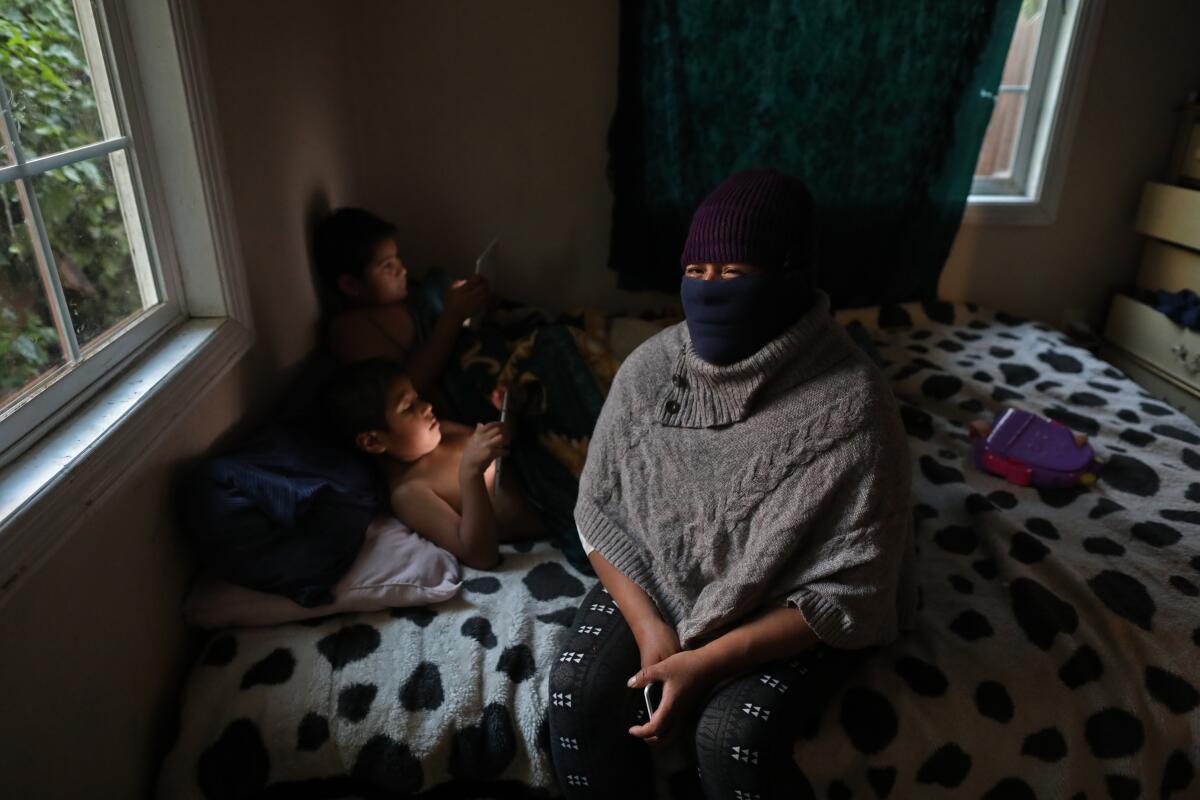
653, 694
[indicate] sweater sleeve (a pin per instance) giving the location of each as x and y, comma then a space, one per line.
856, 588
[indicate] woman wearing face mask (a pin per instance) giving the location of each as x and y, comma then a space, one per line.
746, 506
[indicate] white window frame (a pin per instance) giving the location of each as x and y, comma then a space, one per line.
49, 399
47, 490
1030, 195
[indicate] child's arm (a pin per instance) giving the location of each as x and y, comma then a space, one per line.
656, 639
428, 360
421, 509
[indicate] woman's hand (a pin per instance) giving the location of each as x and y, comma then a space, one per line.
657, 642
465, 298
485, 446
685, 678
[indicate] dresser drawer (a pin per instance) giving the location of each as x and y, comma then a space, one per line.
1154, 338
1171, 213
1165, 266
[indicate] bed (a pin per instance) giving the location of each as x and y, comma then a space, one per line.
1057, 653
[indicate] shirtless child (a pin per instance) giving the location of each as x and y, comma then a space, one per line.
440, 474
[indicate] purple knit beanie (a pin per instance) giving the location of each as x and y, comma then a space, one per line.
759, 217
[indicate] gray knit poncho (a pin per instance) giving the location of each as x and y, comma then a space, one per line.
782, 478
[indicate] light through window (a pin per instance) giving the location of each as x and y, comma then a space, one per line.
76, 264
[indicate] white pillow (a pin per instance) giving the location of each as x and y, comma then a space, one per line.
394, 568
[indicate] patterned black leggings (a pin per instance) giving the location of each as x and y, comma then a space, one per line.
743, 731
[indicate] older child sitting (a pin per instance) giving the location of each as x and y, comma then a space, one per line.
440, 474
357, 259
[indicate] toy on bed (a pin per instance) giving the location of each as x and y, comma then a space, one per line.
1029, 450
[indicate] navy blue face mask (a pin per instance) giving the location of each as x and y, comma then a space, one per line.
731, 319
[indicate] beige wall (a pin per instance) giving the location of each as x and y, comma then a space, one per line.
1146, 60
480, 119
92, 648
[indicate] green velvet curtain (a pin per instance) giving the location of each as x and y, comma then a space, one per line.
880, 106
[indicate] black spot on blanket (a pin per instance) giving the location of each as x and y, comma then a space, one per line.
1010, 789
1026, 549
383, 763
354, 701
236, 765
1122, 787
1114, 733
1177, 774
993, 702
1184, 586
479, 629
971, 625
483, 751
1002, 395
1087, 399
1084, 666
1129, 475
1061, 362
1103, 508
1103, 546
868, 720
1041, 527
923, 678
418, 615
882, 780
423, 689
549, 581
1060, 496
957, 539
313, 732
517, 663
273, 670
1041, 614
1016, 374
1191, 459
1156, 534
485, 585
1125, 596
564, 617
1181, 515
219, 652
948, 766
1187, 437
939, 387
917, 423
1171, 690
1047, 744
350, 644
938, 473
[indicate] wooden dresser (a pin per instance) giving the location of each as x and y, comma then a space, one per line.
1157, 352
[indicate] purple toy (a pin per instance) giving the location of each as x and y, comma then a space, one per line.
1029, 450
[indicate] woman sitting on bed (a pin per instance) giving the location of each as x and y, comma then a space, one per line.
358, 261
746, 505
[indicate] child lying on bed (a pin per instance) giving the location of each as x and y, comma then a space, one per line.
440, 474
358, 261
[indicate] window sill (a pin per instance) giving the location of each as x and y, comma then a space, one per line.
983, 209
45, 494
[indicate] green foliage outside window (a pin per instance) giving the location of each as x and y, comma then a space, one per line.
44, 68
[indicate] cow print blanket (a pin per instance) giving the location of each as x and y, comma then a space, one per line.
1057, 652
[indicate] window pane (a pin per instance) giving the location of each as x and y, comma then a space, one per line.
86, 228
29, 345
999, 143
43, 65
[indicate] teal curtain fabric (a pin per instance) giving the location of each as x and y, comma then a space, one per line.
879, 106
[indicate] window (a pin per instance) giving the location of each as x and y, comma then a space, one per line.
81, 288
122, 297
1022, 159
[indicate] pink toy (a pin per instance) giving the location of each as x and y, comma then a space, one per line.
1029, 450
